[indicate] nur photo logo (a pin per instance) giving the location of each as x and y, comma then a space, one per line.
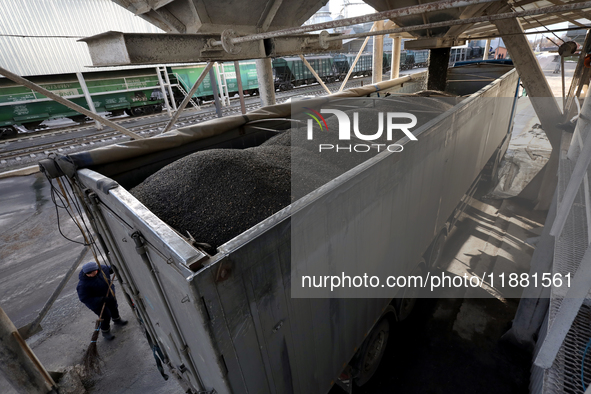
388, 123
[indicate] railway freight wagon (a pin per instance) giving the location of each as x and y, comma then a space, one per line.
226, 321
291, 71
344, 62
387, 61
136, 92
418, 58
186, 76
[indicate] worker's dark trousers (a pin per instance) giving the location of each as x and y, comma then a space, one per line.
111, 312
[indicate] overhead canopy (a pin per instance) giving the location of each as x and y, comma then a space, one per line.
481, 29
215, 16
237, 29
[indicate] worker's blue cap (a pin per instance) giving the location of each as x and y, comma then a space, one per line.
89, 267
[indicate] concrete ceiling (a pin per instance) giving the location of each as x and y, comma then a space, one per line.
215, 16
250, 16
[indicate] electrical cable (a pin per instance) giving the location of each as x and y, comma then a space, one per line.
53, 194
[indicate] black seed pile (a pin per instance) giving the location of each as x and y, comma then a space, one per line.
217, 194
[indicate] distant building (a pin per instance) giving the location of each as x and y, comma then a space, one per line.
40, 36
500, 53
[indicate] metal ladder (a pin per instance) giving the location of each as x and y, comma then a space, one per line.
164, 83
184, 92
223, 84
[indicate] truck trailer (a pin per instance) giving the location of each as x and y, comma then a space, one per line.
226, 322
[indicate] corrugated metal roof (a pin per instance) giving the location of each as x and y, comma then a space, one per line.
39, 56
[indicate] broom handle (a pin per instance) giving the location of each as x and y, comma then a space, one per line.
86, 240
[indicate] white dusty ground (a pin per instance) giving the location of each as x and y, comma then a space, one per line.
529, 149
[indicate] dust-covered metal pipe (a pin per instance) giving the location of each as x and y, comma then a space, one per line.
315, 74
188, 97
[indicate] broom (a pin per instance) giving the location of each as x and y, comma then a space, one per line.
92, 358
91, 362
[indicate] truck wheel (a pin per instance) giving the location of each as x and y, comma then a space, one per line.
371, 352
406, 303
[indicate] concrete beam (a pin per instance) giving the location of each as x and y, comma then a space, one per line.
116, 48
434, 42
378, 52
486, 50
534, 302
396, 50
541, 96
88, 99
266, 83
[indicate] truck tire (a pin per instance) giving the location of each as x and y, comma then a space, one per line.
371, 352
407, 300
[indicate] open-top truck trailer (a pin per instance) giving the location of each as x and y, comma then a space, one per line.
227, 323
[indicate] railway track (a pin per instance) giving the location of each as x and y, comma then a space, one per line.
48, 131
33, 146
93, 136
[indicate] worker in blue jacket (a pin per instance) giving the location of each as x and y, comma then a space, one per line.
92, 291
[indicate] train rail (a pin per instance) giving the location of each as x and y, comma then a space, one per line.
89, 123
15, 152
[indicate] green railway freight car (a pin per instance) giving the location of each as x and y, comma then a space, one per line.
291, 71
136, 92
186, 76
364, 65
387, 61
344, 62
421, 58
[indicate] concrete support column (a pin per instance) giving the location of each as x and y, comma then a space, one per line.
541, 97
89, 101
240, 91
18, 363
266, 84
378, 54
395, 68
486, 50
216, 93
438, 64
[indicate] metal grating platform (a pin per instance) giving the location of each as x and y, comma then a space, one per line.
565, 374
